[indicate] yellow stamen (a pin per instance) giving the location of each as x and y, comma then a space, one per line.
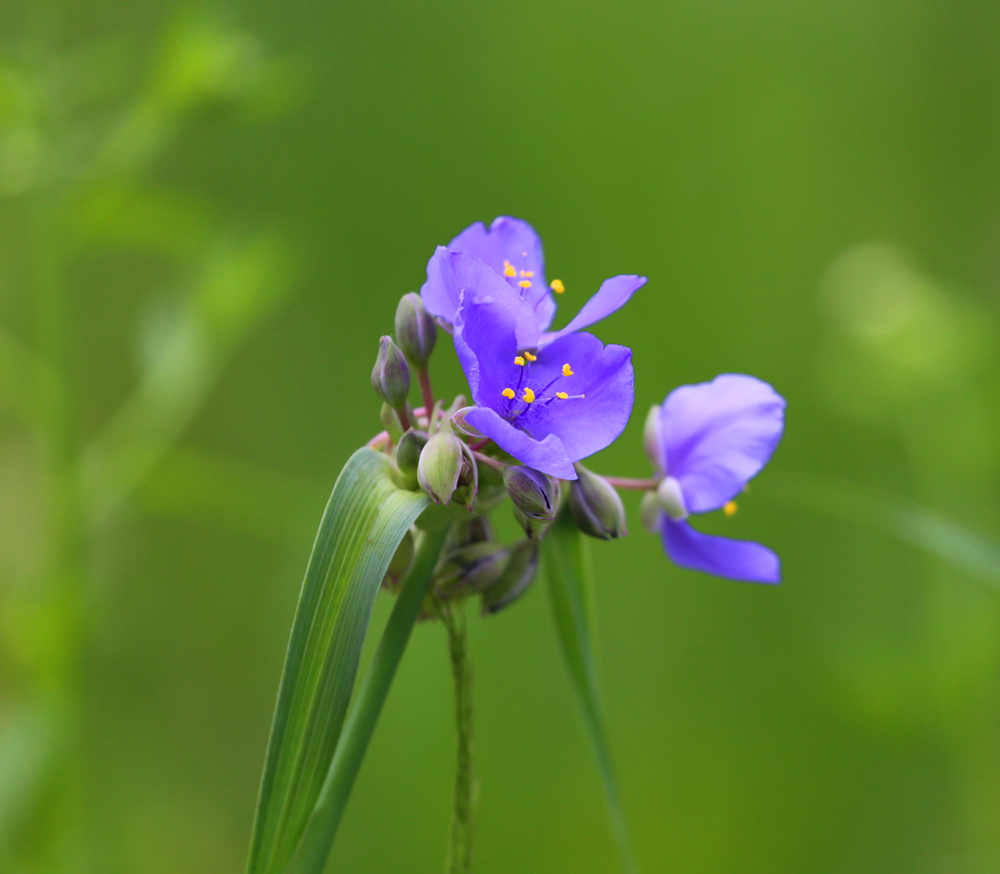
519, 361
530, 357
730, 508
529, 395
508, 393
557, 286
567, 370
527, 274
508, 269
561, 395
525, 283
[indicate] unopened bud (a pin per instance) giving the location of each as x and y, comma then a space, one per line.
416, 330
470, 568
651, 438
596, 507
532, 492
408, 451
391, 374
516, 578
650, 510
671, 499
447, 469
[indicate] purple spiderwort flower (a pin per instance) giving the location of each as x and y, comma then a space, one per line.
546, 408
708, 440
512, 251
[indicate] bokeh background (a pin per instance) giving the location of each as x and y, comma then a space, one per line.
208, 214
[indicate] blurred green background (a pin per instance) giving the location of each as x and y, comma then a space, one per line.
208, 214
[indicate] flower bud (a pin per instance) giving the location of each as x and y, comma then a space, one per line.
651, 438
391, 374
650, 510
416, 330
596, 507
408, 451
471, 568
532, 492
518, 574
671, 499
447, 469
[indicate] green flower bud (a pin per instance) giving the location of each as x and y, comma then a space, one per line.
651, 438
416, 330
391, 374
471, 568
650, 510
517, 576
532, 492
671, 499
596, 507
408, 451
447, 470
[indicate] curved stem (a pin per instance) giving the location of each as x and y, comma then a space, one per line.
625, 482
490, 462
424, 378
463, 823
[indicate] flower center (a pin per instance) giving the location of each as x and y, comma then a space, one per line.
524, 399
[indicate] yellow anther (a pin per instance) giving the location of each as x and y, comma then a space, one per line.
567, 370
730, 508
525, 283
561, 395
519, 361
508, 269
557, 286
529, 395
530, 357
527, 274
508, 393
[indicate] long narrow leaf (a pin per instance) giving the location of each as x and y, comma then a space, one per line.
318, 838
365, 519
567, 570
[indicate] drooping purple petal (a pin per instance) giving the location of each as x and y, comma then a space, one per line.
547, 455
735, 559
515, 242
450, 274
603, 374
486, 344
717, 435
613, 294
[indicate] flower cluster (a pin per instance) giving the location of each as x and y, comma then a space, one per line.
542, 401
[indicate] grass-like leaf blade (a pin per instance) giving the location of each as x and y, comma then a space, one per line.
365, 519
567, 570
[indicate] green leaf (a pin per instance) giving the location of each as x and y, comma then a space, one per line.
364, 521
567, 569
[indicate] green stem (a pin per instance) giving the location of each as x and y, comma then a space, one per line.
360, 725
463, 823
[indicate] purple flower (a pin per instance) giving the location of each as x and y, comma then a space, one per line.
546, 408
708, 440
513, 253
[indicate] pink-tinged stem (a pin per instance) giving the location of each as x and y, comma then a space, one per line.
489, 462
424, 377
379, 440
624, 482
479, 444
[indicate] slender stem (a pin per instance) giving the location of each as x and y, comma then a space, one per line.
479, 444
490, 462
404, 420
463, 823
624, 482
424, 378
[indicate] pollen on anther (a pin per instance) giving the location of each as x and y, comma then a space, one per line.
508, 269
730, 508
562, 395
557, 286
519, 361
527, 274
525, 283
567, 370
529, 395
508, 393
530, 357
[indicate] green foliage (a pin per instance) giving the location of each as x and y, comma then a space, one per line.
365, 520
567, 570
